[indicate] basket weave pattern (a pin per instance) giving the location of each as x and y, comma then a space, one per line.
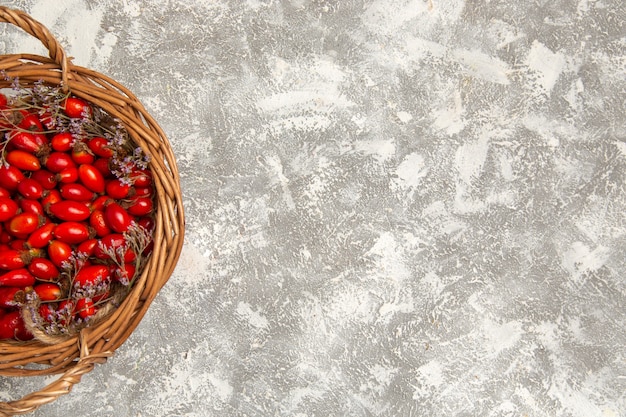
76, 356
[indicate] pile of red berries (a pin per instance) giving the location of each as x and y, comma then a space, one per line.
76, 205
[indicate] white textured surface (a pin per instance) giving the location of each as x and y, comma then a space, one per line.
395, 207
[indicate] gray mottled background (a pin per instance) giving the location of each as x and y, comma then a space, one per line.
394, 207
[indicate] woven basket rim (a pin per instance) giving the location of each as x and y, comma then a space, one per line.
77, 355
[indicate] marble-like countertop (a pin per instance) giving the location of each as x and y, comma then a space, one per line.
394, 207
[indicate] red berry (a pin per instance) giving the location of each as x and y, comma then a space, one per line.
92, 275
99, 223
32, 206
100, 147
58, 161
117, 189
12, 327
117, 218
30, 188
91, 178
25, 141
44, 177
85, 308
10, 177
140, 206
48, 291
62, 142
41, 237
82, 155
76, 192
23, 224
69, 210
116, 243
141, 178
19, 277
44, 269
68, 175
31, 123
7, 297
23, 160
8, 208
59, 252
76, 108
71, 232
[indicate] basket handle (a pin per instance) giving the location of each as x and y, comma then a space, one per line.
39, 31
63, 385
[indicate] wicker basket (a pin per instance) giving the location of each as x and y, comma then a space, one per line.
76, 356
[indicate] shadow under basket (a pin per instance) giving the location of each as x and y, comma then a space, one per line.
77, 355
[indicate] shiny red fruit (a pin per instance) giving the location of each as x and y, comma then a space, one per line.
46, 178
17, 244
58, 161
85, 308
92, 275
44, 269
10, 177
76, 192
142, 191
100, 147
70, 211
117, 189
12, 327
32, 206
68, 175
141, 178
30, 188
71, 232
76, 108
117, 218
42, 140
8, 208
19, 277
62, 142
82, 155
41, 237
7, 297
5, 238
48, 291
46, 311
115, 243
88, 247
23, 160
47, 119
125, 273
11, 259
23, 224
103, 165
140, 206
147, 223
100, 203
91, 178
59, 252
51, 197
31, 123
25, 141
99, 224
